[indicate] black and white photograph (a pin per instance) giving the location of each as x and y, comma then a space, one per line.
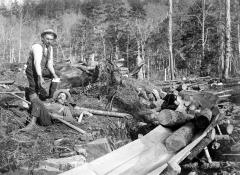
119, 87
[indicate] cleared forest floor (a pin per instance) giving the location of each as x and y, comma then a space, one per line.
21, 152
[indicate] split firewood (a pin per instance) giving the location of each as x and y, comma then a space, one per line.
180, 138
169, 117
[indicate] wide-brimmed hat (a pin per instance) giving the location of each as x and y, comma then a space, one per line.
49, 31
65, 91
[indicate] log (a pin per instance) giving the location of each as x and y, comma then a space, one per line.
180, 138
222, 137
7, 82
107, 113
181, 155
203, 118
13, 92
202, 144
170, 118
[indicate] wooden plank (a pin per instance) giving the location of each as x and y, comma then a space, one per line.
133, 157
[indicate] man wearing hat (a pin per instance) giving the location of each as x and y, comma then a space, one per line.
61, 105
40, 65
41, 112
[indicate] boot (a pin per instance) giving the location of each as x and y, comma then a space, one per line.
52, 89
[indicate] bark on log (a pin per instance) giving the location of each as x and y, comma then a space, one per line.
170, 118
180, 138
204, 142
200, 99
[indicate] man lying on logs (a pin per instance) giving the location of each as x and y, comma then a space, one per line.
42, 112
63, 109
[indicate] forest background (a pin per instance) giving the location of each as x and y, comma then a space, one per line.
129, 30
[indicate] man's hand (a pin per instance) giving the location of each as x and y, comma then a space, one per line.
40, 81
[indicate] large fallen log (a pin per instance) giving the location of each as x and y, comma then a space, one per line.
181, 155
180, 138
170, 118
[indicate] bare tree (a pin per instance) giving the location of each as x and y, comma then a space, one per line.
20, 34
228, 48
203, 28
171, 61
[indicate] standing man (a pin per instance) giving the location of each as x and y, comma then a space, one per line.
40, 65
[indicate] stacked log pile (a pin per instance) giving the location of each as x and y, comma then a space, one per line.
186, 112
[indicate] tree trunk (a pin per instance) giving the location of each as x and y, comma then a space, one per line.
128, 40
104, 46
221, 43
203, 30
148, 68
238, 42
228, 42
139, 61
170, 42
20, 36
143, 58
82, 49
117, 51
